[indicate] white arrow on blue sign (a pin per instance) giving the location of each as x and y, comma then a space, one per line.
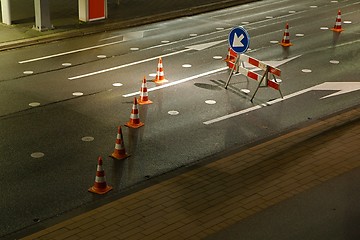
239, 40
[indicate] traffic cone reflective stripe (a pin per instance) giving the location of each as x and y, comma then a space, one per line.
285, 42
337, 27
134, 117
100, 186
119, 152
144, 97
160, 76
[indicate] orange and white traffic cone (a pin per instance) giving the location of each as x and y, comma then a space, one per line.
285, 42
119, 152
134, 117
160, 76
100, 186
144, 97
337, 27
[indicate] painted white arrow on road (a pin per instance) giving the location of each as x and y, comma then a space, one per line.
197, 47
237, 40
340, 87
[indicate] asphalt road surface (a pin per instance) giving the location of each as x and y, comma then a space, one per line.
54, 95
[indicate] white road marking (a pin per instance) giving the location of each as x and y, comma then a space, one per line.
255, 107
37, 155
231, 115
117, 84
87, 139
306, 70
77, 94
340, 87
126, 65
210, 102
28, 72
34, 104
186, 66
197, 47
173, 112
179, 81
69, 52
152, 75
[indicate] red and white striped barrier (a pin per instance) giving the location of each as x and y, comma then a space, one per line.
230, 59
262, 65
269, 75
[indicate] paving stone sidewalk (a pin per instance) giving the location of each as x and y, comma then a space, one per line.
212, 197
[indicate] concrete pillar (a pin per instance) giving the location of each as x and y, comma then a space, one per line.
42, 15
6, 11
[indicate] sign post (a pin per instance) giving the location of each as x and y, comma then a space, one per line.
239, 42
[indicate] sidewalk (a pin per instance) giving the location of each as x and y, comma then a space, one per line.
64, 18
210, 198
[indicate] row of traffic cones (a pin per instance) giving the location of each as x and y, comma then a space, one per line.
285, 42
144, 97
100, 186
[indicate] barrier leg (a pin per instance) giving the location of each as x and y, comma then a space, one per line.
262, 79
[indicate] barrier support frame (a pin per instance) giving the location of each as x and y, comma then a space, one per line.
266, 83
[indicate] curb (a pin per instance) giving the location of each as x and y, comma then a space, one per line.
109, 25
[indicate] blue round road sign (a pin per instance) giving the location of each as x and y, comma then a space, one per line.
239, 40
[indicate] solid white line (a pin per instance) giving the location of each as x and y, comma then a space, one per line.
126, 65
179, 81
215, 120
69, 52
232, 115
